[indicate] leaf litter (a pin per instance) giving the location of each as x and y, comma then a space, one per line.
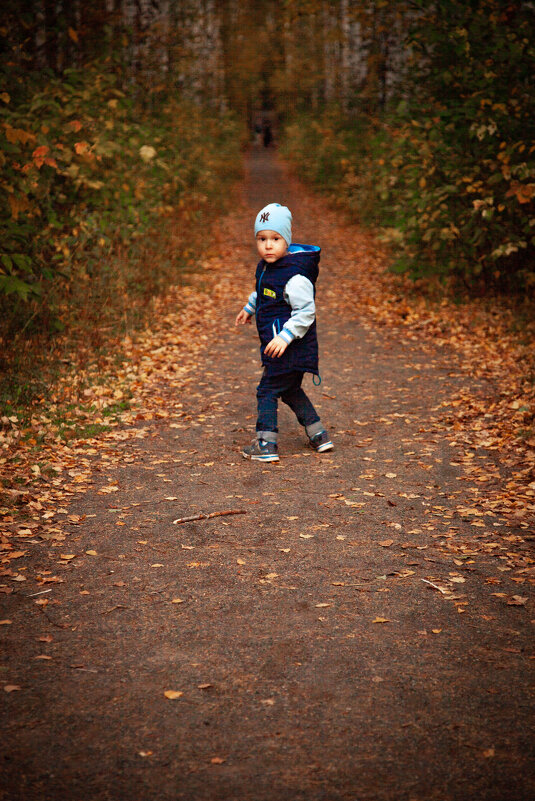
42, 472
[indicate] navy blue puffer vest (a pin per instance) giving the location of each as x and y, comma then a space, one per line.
272, 311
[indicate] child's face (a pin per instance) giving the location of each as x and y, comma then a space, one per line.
271, 245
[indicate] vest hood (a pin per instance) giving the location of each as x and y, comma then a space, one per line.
305, 258
310, 249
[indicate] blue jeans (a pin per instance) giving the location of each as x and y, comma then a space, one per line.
287, 387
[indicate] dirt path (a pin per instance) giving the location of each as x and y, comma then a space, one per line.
362, 632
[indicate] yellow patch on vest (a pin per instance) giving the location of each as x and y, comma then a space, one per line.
270, 293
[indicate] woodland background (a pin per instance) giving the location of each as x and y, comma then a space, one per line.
116, 116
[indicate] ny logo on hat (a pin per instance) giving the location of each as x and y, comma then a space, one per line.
264, 217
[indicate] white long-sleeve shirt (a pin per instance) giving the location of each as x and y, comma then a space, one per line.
299, 294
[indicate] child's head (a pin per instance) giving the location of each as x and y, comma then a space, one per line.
273, 231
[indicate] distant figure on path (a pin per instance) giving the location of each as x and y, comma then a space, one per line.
286, 320
267, 136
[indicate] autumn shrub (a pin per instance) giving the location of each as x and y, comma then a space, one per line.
87, 175
449, 169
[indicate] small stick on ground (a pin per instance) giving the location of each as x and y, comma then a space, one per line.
203, 516
436, 587
113, 608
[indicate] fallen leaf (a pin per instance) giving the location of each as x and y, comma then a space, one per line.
49, 580
381, 620
91, 553
217, 760
386, 543
321, 606
172, 694
145, 753
306, 536
204, 686
6, 622
177, 601
517, 600
240, 561
9, 688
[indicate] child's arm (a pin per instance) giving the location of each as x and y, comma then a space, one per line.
248, 310
299, 294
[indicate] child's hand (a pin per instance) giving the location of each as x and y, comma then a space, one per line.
243, 318
276, 347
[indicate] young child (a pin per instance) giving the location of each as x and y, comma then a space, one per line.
286, 320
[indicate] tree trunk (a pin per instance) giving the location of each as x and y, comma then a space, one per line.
51, 34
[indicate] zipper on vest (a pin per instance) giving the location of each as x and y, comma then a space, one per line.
260, 283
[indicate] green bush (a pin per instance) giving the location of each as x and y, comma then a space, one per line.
449, 173
85, 172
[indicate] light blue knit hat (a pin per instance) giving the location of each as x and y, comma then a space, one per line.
275, 217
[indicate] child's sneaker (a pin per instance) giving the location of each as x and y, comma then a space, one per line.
261, 451
321, 442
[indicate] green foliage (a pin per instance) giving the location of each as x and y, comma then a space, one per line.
450, 172
85, 173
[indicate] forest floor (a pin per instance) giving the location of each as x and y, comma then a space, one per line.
362, 629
